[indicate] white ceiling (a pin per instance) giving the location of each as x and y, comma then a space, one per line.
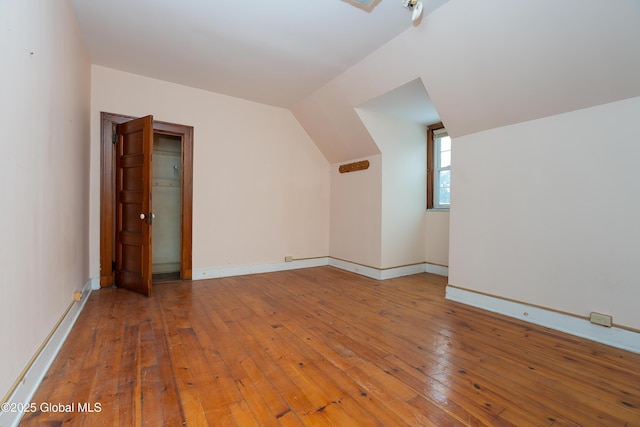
275, 52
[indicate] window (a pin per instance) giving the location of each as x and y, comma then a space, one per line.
439, 167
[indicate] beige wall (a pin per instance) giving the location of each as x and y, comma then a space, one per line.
45, 86
436, 247
261, 187
392, 228
408, 234
356, 214
403, 147
546, 212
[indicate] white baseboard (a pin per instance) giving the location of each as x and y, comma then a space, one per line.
29, 383
615, 337
241, 270
374, 273
363, 270
388, 273
440, 270
95, 283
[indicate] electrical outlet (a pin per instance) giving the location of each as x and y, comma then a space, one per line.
601, 319
77, 296
288, 259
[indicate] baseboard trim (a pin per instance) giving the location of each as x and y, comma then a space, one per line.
440, 270
388, 273
241, 270
616, 337
353, 267
32, 376
364, 270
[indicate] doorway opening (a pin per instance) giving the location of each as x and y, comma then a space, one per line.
166, 188
172, 186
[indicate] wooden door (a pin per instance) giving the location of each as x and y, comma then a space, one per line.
108, 123
133, 214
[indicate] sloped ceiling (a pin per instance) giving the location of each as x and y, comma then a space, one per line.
274, 52
484, 64
508, 62
488, 64
409, 102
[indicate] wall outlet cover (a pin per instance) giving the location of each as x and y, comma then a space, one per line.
601, 319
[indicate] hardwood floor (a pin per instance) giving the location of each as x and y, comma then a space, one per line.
322, 347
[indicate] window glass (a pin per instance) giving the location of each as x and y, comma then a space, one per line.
445, 156
442, 181
444, 191
439, 167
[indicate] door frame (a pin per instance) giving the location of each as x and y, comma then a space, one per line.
108, 121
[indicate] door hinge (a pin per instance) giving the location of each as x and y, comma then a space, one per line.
114, 139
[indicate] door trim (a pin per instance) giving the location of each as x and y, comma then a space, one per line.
108, 121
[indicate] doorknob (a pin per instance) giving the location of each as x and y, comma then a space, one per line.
151, 217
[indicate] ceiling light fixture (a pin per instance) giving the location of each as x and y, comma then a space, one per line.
415, 6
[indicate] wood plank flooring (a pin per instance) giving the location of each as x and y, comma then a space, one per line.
320, 347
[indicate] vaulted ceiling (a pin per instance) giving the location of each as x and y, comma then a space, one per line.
487, 64
275, 52
481, 64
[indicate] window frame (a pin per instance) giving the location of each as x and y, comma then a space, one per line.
433, 168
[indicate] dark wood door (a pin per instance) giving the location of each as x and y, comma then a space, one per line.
134, 218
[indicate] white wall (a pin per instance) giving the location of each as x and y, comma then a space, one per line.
547, 212
261, 187
480, 79
403, 147
356, 214
44, 171
407, 234
436, 236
